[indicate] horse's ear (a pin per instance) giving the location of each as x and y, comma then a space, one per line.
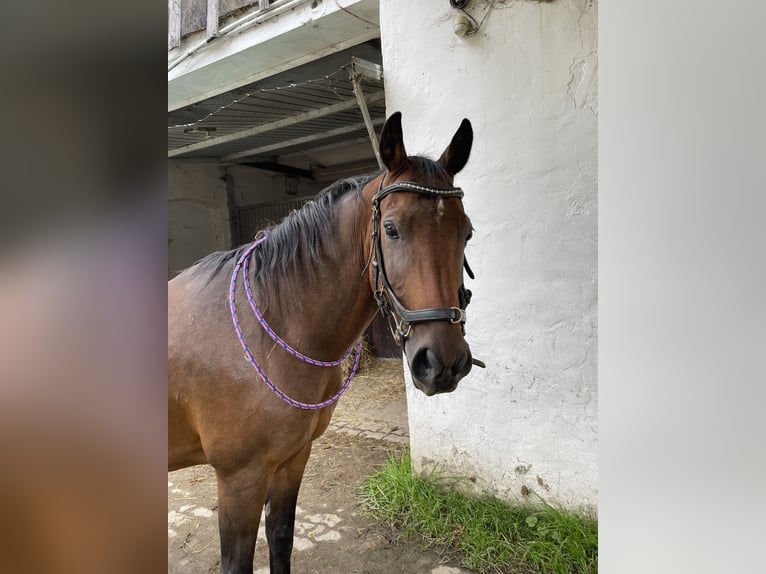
456, 155
392, 150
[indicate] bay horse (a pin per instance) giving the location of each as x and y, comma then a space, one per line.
392, 241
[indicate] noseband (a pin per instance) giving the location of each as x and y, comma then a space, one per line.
400, 318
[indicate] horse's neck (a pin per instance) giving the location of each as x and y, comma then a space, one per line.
336, 302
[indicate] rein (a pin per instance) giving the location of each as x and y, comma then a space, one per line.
400, 318
244, 263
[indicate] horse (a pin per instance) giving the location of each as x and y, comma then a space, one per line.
391, 241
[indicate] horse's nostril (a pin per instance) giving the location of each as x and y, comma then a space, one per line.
462, 365
425, 365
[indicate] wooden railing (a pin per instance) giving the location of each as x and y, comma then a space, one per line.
188, 16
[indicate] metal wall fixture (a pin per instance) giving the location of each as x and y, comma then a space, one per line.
463, 24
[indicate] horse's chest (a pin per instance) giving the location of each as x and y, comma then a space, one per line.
323, 421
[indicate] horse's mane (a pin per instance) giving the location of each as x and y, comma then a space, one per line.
432, 171
294, 245
297, 243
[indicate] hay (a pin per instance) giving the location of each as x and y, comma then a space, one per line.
364, 361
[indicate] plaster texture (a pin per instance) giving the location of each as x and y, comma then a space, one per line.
528, 83
198, 216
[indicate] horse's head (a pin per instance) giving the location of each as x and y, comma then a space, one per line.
419, 234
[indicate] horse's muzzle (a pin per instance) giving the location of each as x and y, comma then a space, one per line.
432, 375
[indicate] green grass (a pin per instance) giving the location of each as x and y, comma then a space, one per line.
484, 534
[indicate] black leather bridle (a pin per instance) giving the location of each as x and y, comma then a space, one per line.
400, 318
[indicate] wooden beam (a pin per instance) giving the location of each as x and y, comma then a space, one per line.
289, 121
174, 23
232, 158
280, 168
338, 171
367, 69
328, 147
356, 80
213, 13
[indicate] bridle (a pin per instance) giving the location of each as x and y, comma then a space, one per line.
389, 305
399, 317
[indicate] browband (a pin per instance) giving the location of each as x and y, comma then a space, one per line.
416, 188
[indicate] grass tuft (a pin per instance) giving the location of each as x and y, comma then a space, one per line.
484, 534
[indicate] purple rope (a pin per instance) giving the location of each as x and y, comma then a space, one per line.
244, 263
266, 327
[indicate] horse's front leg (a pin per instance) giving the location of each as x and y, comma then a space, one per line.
241, 495
280, 511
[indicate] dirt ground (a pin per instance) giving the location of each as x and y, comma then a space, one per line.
331, 535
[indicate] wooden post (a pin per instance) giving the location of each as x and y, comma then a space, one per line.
212, 18
174, 23
356, 81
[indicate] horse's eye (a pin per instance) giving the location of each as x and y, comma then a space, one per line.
391, 230
469, 236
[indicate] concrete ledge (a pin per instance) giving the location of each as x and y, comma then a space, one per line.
284, 42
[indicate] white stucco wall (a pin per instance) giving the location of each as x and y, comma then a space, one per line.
527, 82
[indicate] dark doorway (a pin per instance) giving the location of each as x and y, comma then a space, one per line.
381, 340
